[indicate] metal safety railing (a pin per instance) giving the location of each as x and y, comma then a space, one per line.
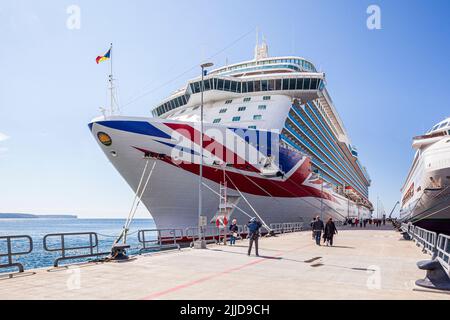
210, 234
83, 245
278, 228
67, 243
156, 239
10, 253
438, 246
426, 239
443, 252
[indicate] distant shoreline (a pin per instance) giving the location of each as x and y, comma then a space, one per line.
36, 216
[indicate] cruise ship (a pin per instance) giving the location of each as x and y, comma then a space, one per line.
426, 192
273, 147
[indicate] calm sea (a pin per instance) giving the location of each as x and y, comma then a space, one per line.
107, 230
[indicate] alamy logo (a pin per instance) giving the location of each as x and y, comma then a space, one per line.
74, 280
374, 19
73, 21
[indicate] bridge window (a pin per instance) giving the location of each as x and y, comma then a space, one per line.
306, 83
233, 86
257, 85
220, 83
227, 85
250, 86
264, 85
292, 84
278, 84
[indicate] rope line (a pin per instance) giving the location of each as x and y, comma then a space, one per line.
140, 96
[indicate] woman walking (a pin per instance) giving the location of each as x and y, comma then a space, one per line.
330, 231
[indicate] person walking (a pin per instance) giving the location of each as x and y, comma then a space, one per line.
234, 232
317, 229
311, 225
330, 231
253, 234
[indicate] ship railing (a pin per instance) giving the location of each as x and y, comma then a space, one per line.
277, 228
72, 246
426, 239
211, 234
11, 243
286, 227
158, 239
443, 252
404, 227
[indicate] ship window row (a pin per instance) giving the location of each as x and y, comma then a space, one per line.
290, 139
256, 85
336, 167
243, 108
312, 125
300, 62
321, 155
333, 157
311, 111
170, 105
238, 118
240, 87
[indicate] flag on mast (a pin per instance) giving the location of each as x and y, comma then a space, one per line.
104, 57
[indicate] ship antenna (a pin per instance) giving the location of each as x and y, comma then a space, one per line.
111, 85
257, 43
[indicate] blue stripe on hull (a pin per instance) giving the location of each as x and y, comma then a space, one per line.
140, 127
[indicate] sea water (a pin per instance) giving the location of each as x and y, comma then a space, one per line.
106, 229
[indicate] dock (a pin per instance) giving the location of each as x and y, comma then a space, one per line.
363, 264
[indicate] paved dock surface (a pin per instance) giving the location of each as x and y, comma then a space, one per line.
363, 264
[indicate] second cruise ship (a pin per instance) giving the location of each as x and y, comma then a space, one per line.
426, 193
273, 146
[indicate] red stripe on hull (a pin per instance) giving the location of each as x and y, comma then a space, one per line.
212, 146
292, 187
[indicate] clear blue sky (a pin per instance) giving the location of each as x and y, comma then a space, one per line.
388, 85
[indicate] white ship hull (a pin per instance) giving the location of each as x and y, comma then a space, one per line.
172, 193
428, 202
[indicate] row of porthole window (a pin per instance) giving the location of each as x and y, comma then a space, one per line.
238, 118
241, 109
247, 99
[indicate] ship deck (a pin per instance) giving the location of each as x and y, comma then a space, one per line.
363, 264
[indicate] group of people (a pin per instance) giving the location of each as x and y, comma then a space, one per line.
355, 222
329, 230
253, 233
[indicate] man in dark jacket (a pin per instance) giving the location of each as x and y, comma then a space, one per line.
317, 229
330, 231
253, 234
